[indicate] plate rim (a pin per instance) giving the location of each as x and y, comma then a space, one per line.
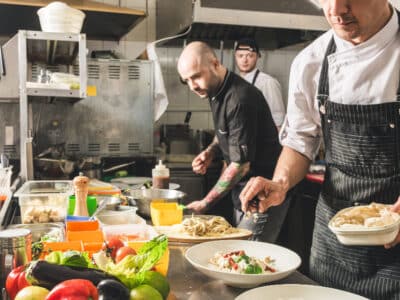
244, 275
286, 286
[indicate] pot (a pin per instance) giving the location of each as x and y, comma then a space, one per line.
144, 197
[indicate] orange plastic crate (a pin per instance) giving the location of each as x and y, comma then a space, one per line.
82, 225
85, 236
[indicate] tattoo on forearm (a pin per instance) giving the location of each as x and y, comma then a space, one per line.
232, 174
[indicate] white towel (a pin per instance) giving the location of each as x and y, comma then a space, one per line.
160, 93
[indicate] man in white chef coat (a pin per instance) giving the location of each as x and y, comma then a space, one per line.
247, 53
344, 88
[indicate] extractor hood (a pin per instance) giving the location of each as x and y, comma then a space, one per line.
273, 23
103, 22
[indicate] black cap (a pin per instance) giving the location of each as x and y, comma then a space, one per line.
247, 44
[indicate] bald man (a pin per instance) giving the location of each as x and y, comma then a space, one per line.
245, 134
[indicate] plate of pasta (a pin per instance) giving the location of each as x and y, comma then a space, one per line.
201, 228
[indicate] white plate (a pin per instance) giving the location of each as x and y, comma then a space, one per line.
297, 292
286, 261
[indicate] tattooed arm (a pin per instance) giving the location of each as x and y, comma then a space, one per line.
231, 175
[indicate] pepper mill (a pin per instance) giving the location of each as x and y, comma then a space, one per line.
81, 185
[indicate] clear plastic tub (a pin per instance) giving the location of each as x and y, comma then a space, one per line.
129, 232
44, 201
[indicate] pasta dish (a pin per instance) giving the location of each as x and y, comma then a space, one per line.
214, 226
239, 262
372, 215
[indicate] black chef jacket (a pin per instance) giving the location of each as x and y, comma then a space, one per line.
245, 129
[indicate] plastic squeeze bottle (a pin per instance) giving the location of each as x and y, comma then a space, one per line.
160, 176
81, 186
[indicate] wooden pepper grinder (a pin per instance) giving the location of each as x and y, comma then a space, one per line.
81, 186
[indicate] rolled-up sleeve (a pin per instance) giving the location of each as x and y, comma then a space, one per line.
301, 129
242, 133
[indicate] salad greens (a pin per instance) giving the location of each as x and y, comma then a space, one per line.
130, 270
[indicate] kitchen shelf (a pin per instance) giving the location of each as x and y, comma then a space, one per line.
102, 22
23, 56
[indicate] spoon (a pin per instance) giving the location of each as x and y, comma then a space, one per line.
99, 208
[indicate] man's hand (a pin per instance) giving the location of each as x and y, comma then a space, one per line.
199, 206
269, 192
395, 208
202, 161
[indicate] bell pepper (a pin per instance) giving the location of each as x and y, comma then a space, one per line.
16, 281
74, 289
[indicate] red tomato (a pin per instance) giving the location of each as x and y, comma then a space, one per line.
16, 281
111, 246
122, 252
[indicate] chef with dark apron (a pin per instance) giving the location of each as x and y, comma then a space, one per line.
345, 86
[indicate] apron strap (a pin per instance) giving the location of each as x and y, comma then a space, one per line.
323, 85
255, 77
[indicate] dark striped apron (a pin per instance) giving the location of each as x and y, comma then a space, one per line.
362, 144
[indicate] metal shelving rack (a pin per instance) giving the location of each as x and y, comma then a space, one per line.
18, 55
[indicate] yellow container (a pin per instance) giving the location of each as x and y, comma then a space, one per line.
165, 213
162, 265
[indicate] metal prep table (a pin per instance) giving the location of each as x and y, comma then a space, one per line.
189, 284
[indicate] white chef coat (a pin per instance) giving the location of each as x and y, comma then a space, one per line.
367, 73
272, 92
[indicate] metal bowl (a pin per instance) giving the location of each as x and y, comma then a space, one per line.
143, 198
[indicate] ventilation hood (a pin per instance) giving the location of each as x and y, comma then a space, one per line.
103, 22
273, 23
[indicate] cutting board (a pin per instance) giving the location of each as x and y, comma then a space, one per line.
177, 236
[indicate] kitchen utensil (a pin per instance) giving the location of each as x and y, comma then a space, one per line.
100, 207
144, 197
297, 291
286, 261
15, 250
81, 184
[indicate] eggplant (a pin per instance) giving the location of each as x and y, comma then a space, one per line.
48, 275
110, 289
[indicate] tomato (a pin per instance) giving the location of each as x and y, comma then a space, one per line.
122, 252
16, 281
111, 246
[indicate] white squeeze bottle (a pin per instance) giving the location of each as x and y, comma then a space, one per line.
160, 176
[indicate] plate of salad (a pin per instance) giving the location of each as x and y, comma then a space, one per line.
243, 264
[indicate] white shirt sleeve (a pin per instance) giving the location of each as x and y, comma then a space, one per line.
272, 92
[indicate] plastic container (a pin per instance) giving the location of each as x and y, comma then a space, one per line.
160, 176
121, 215
85, 236
130, 232
164, 213
59, 17
91, 203
44, 201
82, 225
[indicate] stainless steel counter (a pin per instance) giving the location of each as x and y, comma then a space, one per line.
188, 283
